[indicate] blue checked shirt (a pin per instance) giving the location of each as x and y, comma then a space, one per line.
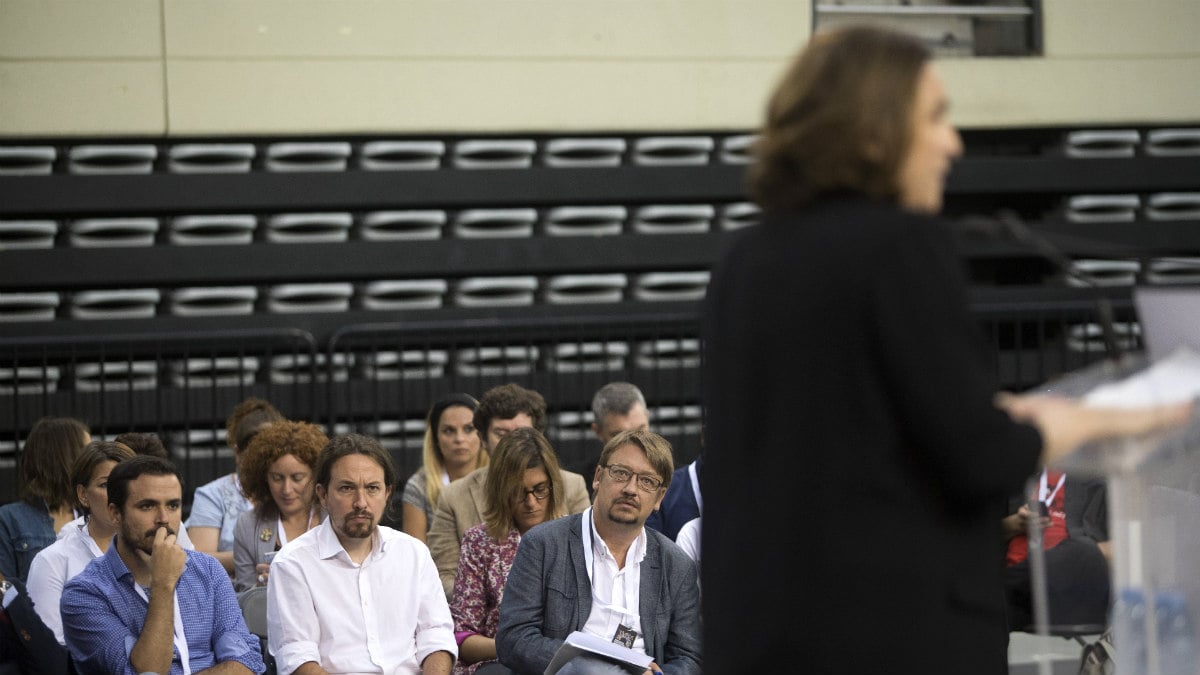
103, 615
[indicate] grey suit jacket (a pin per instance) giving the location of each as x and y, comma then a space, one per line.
548, 595
249, 547
460, 507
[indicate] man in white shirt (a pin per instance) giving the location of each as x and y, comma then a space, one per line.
602, 572
352, 596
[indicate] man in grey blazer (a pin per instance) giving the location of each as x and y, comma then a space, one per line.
604, 573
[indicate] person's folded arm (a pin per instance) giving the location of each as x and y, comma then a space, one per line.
98, 640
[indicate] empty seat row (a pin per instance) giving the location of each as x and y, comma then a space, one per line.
1124, 208
387, 365
399, 225
1127, 142
384, 295
1107, 272
379, 155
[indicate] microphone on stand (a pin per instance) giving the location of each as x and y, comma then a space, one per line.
1007, 225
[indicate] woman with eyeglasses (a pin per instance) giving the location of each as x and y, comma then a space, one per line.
523, 489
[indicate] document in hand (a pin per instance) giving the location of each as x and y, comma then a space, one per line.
580, 643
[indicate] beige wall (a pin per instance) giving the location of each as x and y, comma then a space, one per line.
70, 67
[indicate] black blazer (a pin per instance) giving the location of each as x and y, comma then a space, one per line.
855, 466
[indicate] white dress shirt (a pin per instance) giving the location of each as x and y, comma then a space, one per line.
54, 566
383, 616
616, 592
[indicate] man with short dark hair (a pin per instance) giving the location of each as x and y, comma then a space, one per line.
148, 605
353, 596
461, 504
605, 574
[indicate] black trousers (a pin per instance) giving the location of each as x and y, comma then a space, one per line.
1077, 586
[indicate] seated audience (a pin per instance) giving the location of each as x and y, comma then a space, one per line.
27, 646
276, 472
352, 596
79, 544
1073, 517
217, 505
452, 450
682, 503
47, 498
147, 605
616, 407
522, 489
461, 505
604, 573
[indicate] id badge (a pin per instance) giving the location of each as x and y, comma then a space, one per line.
625, 636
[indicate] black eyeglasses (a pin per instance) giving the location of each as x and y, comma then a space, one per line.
539, 492
621, 474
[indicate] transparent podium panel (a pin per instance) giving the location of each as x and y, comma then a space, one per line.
1153, 494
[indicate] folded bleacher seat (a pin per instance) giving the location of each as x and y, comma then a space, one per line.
301, 298
1181, 270
29, 380
403, 225
676, 420
309, 228
583, 152
668, 354
128, 303
113, 232
673, 219
38, 306
585, 221
210, 157
404, 294
220, 371
1173, 206
486, 223
403, 365
106, 159
672, 150
27, 234
579, 289
1102, 143
570, 425
213, 301
496, 291
401, 155
308, 156
671, 286
300, 368
213, 229
1104, 272
497, 153
27, 160
1102, 208
1173, 142
506, 361
95, 376
587, 357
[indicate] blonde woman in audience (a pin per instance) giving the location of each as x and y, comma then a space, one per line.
217, 505
79, 544
452, 450
523, 489
47, 500
276, 473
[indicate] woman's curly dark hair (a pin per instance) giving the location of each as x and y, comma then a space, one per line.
301, 439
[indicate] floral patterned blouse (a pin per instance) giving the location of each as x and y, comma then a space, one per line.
483, 567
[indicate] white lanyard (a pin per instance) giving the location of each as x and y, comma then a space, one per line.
180, 638
589, 557
1044, 495
696, 486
